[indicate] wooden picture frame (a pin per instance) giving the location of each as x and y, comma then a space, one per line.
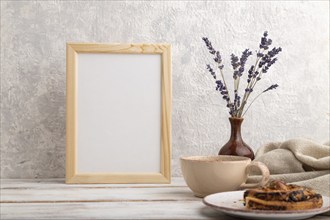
78, 60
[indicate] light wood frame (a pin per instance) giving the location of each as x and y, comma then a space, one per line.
72, 51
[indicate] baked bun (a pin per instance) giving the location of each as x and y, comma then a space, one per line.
280, 196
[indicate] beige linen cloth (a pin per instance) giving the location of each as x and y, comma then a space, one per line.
298, 161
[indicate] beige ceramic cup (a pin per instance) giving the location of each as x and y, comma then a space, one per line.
206, 175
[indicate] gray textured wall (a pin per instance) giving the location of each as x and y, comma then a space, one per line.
33, 37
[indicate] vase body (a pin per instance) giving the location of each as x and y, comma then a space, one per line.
236, 146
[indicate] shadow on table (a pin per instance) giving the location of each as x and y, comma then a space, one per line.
213, 214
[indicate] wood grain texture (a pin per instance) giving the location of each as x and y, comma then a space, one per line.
80, 178
119, 48
53, 199
115, 210
166, 111
110, 210
71, 118
59, 183
99, 195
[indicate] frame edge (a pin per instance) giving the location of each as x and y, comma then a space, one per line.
70, 169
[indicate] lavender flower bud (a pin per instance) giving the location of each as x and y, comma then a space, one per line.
264, 70
271, 88
237, 101
268, 62
209, 68
209, 45
235, 75
245, 55
273, 52
218, 57
265, 42
260, 54
250, 73
234, 61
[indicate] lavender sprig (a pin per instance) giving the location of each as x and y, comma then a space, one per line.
238, 66
209, 45
245, 55
217, 54
266, 90
268, 60
270, 88
220, 87
218, 59
237, 102
255, 73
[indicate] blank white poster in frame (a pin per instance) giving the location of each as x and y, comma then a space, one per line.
118, 126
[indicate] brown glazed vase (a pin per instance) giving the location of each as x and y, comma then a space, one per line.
236, 146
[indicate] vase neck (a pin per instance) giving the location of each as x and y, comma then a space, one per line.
235, 124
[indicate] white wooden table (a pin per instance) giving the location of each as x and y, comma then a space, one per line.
53, 199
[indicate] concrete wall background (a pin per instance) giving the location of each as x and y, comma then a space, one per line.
33, 37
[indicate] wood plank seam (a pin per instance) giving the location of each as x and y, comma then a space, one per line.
105, 200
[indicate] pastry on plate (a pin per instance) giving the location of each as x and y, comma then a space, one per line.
280, 196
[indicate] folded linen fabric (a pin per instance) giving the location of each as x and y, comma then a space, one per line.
298, 161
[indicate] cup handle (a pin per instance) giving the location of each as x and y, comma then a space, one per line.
264, 172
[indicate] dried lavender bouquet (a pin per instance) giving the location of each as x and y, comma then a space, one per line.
266, 57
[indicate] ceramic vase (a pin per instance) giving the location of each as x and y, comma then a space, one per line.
236, 146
